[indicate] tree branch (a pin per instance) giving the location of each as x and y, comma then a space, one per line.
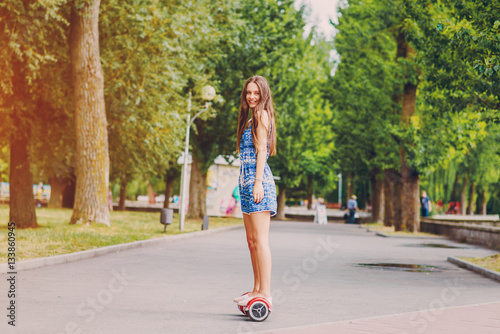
496, 107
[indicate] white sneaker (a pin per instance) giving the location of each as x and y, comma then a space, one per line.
245, 301
240, 298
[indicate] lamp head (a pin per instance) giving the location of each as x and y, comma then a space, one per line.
208, 93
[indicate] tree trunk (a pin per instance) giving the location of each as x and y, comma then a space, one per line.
309, 201
410, 187
69, 192
445, 185
57, 186
151, 193
22, 203
410, 197
393, 178
390, 179
463, 195
123, 195
393, 200
397, 206
309, 193
454, 192
197, 191
478, 201
377, 197
281, 201
350, 177
169, 183
470, 204
381, 215
484, 202
92, 170
388, 209
367, 194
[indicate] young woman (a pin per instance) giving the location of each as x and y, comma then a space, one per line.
256, 142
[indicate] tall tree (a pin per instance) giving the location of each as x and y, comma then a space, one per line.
448, 50
153, 53
31, 34
406, 55
363, 96
270, 43
92, 167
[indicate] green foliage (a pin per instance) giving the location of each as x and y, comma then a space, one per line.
483, 162
456, 48
35, 82
363, 87
460, 40
154, 52
460, 94
269, 42
151, 52
27, 39
305, 156
479, 29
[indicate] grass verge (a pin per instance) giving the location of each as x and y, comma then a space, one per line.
56, 236
490, 262
390, 231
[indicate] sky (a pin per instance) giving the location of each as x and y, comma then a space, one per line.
322, 12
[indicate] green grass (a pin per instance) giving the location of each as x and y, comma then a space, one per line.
390, 230
489, 262
56, 236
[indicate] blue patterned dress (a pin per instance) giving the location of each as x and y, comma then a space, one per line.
248, 159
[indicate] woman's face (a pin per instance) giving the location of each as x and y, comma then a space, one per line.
253, 94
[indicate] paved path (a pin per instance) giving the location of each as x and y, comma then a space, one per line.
483, 319
187, 286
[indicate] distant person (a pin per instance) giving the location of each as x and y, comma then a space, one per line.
39, 195
110, 199
352, 205
425, 204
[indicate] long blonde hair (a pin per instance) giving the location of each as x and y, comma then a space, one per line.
265, 103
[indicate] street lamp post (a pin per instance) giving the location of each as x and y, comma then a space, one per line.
340, 190
208, 94
184, 168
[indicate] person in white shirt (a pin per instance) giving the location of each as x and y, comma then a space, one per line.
352, 205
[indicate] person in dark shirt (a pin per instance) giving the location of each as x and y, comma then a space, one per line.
425, 204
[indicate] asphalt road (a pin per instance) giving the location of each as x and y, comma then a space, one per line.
187, 286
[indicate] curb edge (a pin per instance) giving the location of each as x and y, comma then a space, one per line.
381, 234
474, 267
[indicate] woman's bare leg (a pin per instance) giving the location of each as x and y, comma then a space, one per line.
260, 222
249, 232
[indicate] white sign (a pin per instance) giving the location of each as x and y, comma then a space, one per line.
320, 214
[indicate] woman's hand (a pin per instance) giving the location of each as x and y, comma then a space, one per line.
261, 148
258, 192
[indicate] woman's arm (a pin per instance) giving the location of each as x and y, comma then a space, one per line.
261, 148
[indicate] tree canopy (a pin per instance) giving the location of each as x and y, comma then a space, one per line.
411, 101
